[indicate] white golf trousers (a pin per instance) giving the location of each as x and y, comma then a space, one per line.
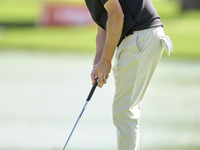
135, 61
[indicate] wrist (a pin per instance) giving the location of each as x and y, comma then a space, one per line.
94, 66
108, 54
106, 60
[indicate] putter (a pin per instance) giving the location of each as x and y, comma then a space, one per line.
87, 100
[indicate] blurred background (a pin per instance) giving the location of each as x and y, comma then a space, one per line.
46, 55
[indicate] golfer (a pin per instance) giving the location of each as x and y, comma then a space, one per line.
132, 28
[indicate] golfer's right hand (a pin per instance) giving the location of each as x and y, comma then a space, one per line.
94, 77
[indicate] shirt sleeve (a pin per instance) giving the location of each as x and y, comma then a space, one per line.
103, 1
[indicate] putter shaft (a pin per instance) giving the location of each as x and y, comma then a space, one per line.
75, 124
87, 100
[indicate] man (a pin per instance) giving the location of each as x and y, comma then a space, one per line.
134, 27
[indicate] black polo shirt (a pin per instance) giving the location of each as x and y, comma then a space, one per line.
138, 15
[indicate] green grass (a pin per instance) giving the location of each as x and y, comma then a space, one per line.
167, 8
182, 28
73, 39
185, 34
19, 11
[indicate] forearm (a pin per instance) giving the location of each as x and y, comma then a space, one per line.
100, 43
113, 34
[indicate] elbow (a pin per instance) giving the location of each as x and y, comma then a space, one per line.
117, 16
121, 17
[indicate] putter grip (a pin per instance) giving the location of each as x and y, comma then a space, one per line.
92, 90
